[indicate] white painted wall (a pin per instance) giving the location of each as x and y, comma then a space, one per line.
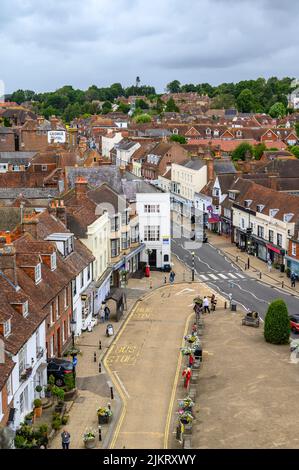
109, 142
161, 219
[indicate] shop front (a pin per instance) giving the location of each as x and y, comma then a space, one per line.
275, 254
293, 265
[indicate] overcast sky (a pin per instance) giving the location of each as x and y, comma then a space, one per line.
47, 44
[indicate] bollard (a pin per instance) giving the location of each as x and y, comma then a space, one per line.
225, 305
237, 258
282, 284
248, 262
151, 284
94, 357
165, 280
100, 433
100, 367
109, 406
184, 276
100, 344
260, 274
111, 393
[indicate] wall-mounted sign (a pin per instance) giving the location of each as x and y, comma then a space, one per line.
56, 137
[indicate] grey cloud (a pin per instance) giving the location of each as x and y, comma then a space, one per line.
48, 44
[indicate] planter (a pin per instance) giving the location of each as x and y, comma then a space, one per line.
103, 419
71, 394
38, 411
90, 443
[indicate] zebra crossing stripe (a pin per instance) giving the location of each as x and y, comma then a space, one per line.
213, 276
222, 275
205, 278
240, 275
232, 275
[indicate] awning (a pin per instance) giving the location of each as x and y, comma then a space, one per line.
135, 251
105, 276
276, 250
213, 220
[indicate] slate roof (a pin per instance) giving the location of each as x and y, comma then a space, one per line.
224, 166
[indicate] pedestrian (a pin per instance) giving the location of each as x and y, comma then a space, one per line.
171, 276
102, 315
269, 265
107, 313
213, 302
293, 280
65, 439
206, 305
194, 328
191, 360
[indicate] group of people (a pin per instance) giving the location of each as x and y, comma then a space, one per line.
104, 313
205, 307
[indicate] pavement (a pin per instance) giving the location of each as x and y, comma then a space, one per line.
94, 387
246, 390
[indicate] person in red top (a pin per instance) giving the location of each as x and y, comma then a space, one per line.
191, 360
187, 374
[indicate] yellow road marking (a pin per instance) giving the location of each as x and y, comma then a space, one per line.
175, 383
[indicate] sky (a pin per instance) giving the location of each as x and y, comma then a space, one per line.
48, 44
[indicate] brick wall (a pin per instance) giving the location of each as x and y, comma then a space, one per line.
56, 329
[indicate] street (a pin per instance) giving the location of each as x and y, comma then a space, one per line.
214, 269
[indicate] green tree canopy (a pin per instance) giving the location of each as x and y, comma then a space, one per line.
178, 138
297, 128
277, 323
174, 86
142, 118
295, 150
258, 150
243, 151
277, 110
171, 107
245, 101
139, 103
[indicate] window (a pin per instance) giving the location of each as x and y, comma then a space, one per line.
294, 246
279, 239
74, 282
124, 218
260, 231
52, 316
1, 410
69, 246
216, 192
115, 247
22, 359
125, 240
114, 224
150, 208
57, 306
135, 234
25, 309
151, 233
9, 388
38, 273
22, 403
82, 279
65, 294
7, 328
53, 262
242, 223
64, 332
52, 346
88, 272
44, 167
271, 236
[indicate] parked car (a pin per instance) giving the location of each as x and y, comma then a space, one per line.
59, 368
294, 323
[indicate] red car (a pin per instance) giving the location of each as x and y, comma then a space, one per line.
294, 323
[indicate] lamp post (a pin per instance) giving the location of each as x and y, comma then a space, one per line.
193, 269
73, 324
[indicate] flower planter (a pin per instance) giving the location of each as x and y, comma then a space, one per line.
70, 395
90, 443
103, 419
38, 411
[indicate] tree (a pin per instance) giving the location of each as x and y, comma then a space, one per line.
124, 108
297, 128
174, 87
295, 150
223, 101
243, 151
107, 107
178, 138
277, 110
258, 150
171, 107
277, 323
142, 118
245, 101
139, 103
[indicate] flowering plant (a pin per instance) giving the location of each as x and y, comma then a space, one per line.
186, 351
185, 416
89, 434
103, 411
198, 300
191, 338
186, 403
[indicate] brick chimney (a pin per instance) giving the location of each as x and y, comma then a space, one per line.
210, 169
40, 120
61, 212
54, 122
81, 187
30, 224
8, 261
273, 182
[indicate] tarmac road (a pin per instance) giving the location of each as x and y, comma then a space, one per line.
214, 269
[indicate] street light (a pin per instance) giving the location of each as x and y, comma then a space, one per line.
73, 324
193, 269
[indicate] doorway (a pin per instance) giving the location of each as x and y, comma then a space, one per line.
58, 343
152, 258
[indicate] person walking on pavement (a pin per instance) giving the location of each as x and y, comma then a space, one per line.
171, 276
102, 315
65, 439
107, 313
293, 280
269, 265
206, 305
213, 302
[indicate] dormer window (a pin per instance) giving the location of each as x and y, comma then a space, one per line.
7, 328
208, 131
232, 195
53, 261
38, 273
247, 202
239, 133
25, 309
260, 207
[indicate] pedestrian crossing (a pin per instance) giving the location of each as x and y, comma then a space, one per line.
221, 276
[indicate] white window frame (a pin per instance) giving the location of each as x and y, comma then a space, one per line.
38, 273
53, 261
9, 389
25, 309
152, 233
7, 328
51, 346
65, 298
57, 313
294, 249
1, 408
